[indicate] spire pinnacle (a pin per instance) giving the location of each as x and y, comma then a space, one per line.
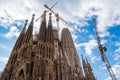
49, 32
29, 31
33, 16
31, 23
50, 21
43, 17
26, 21
42, 31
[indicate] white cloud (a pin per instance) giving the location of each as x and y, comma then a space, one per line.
117, 44
19, 12
88, 46
95, 58
103, 67
5, 22
103, 41
91, 36
81, 9
104, 9
117, 55
108, 78
13, 32
3, 59
116, 69
3, 46
74, 37
103, 34
117, 50
107, 11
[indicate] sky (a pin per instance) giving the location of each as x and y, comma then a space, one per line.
79, 14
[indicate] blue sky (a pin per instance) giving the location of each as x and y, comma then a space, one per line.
78, 13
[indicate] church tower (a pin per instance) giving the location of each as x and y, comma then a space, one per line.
48, 55
39, 50
44, 53
71, 55
6, 75
87, 70
56, 54
16, 66
91, 75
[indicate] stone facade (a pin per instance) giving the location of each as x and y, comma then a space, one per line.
45, 57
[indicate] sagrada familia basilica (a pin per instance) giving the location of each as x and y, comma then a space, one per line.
44, 56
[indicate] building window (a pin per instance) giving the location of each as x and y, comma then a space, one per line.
49, 50
21, 74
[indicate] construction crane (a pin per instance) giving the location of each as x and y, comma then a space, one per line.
7, 14
46, 11
102, 50
58, 18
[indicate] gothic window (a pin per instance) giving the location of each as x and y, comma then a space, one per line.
21, 75
46, 61
49, 50
15, 57
27, 67
49, 56
41, 37
24, 49
50, 76
40, 49
43, 47
31, 70
40, 46
33, 54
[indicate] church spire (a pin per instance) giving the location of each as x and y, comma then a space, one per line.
50, 20
20, 38
85, 68
43, 17
42, 31
91, 75
49, 34
24, 29
29, 31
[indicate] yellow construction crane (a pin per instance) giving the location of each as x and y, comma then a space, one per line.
102, 50
59, 18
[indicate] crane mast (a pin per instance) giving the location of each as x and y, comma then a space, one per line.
102, 52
